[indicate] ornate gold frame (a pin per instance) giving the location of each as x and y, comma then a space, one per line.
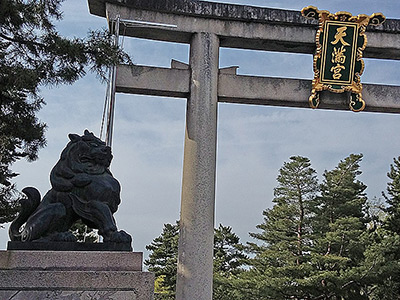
356, 102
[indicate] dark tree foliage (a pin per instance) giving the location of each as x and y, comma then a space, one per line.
318, 242
380, 271
83, 233
393, 197
282, 259
383, 254
228, 260
342, 194
339, 227
163, 260
314, 238
287, 224
34, 54
8, 209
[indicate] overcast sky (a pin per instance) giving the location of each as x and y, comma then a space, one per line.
253, 141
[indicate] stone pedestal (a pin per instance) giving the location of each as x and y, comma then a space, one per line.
74, 275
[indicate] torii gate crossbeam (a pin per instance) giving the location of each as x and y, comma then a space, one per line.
206, 26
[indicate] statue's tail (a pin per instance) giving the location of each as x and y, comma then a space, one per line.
28, 206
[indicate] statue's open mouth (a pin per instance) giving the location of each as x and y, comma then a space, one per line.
102, 160
85, 159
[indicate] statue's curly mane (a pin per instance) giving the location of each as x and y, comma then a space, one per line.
83, 157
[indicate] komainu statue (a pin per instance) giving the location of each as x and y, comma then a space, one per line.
82, 188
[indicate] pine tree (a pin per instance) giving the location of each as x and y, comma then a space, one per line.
313, 246
382, 263
8, 208
163, 260
392, 197
228, 256
34, 54
281, 262
381, 267
342, 195
228, 260
339, 226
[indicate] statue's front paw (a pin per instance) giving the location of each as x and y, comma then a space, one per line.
118, 237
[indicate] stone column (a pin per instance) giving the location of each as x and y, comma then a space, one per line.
195, 255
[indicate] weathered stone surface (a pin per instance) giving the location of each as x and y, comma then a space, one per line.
153, 81
8, 294
31, 275
254, 89
140, 282
69, 246
71, 260
69, 295
196, 237
295, 93
224, 11
237, 33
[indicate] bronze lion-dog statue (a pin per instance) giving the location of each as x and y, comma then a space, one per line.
82, 188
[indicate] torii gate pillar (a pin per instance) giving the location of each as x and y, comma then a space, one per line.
206, 26
195, 257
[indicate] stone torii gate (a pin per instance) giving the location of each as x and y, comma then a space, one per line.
206, 27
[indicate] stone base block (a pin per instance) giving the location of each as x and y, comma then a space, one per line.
68, 295
58, 275
71, 260
68, 246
